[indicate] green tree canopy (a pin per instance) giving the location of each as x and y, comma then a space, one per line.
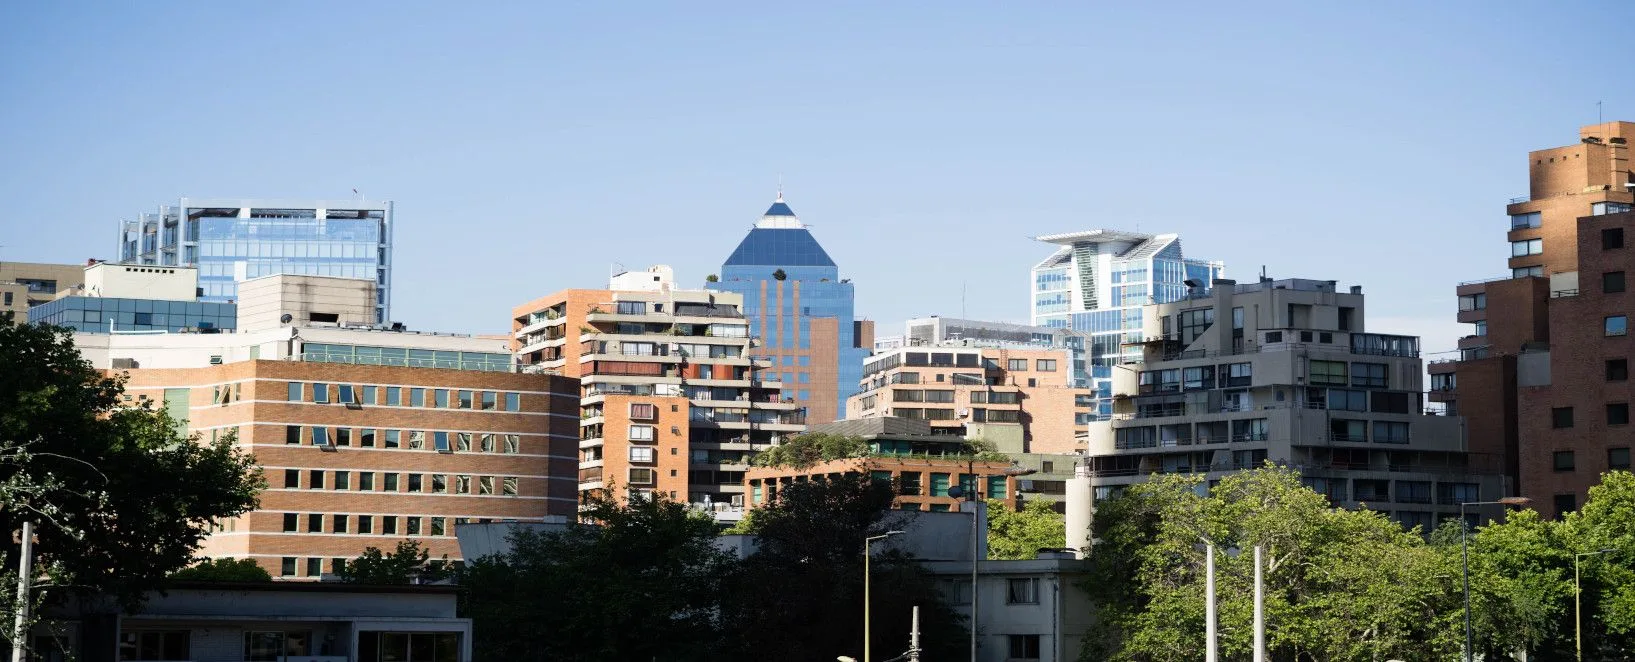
804, 450
120, 499
223, 570
403, 565
1021, 534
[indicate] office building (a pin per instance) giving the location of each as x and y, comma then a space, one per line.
1098, 283
674, 397
1286, 371
128, 298
24, 285
366, 435
801, 310
1542, 376
1020, 399
231, 240
938, 331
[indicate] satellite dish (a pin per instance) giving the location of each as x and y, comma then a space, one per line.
286, 319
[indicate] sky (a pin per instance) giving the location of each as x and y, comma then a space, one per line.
534, 147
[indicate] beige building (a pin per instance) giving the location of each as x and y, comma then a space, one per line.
27, 284
1286, 371
263, 302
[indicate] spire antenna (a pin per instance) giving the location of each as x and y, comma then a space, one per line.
780, 188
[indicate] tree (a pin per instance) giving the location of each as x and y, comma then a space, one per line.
404, 565
779, 275
712, 278
804, 450
798, 597
1606, 522
1021, 534
642, 582
120, 499
223, 570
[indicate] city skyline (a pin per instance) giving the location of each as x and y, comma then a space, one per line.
962, 140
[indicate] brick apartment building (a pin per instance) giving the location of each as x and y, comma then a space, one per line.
1543, 376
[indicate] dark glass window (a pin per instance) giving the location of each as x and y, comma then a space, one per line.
1612, 282
1563, 460
1561, 417
1612, 238
1617, 370
1618, 413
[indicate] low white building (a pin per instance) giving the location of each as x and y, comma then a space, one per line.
1032, 609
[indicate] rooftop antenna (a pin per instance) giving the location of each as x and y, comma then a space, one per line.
780, 187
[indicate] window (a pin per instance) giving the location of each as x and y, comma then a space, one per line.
366, 438
1536, 271
439, 441
513, 402
1018, 365
1612, 282
320, 393
417, 397
1565, 503
1526, 247
391, 438
440, 398
462, 485
1328, 372
412, 527
1045, 365
1473, 302
1562, 460
1022, 591
462, 442
439, 484
1344, 430
1274, 336
315, 523
486, 443
292, 478
1617, 325
642, 433
639, 476
286, 569
1193, 323
513, 444
1239, 374
1618, 458
508, 487
366, 481
292, 522
1618, 413
642, 454
1604, 208
366, 524
343, 436
346, 394
148, 645
1522, 221
320, 436
1612, 238
316, 480
485, 484
390, 482
1023, 646
295, 392
643, 411
339, 524
464, 400
1368, 375
315, 567
1617, 370
1561, 417
394, 396
1395, 402
388, 525
436, 526
1390, 432
489, 401
343, 480
415, 482
292, 434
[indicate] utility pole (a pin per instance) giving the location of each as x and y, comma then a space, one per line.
1260, 611
914, 637
25, 571
1212, 647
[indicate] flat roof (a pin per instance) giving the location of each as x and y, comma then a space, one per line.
1102, 234
309, 587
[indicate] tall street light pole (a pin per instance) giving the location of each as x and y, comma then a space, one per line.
1464, 551
1578, 602
969, 492
867, 544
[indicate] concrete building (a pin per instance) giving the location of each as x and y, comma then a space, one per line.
1027, 609
1021, 400
801, 310
934, 331
24, 285
1098, 283
127, 298
1286, 371
272, 622
366, 435
232, 240
674, 398
1542, 377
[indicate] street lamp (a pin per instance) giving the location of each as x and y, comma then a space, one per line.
867, 544
1578, 601
1464, 550
970, 494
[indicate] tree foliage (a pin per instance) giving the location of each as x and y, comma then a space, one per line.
120, 500
223, 570
1021, 534
802, 451
406, 564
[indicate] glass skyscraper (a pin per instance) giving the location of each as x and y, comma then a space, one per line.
1097, 282
801, 310
232, 240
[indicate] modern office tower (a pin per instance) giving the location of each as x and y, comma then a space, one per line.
1020, 399
1543, 375
937, 331
674, 398
1285, 371
1098, 283
921, 465
126, 298
24, 285
366, 436
232, 240
801, 309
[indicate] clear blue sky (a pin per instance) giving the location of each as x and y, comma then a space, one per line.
529, 146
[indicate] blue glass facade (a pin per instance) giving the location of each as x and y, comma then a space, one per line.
811, 289
235, 240
102, 314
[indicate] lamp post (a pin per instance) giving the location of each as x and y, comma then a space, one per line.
970, 494
1464, 551
867, 544
1578, 602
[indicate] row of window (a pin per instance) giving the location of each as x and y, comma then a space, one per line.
413, 525
1617, 413
441, 441
413, 482
1617, 458
1362, 375
365, 394
1040, 365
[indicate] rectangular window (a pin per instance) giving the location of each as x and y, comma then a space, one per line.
292, 522
292, 434
286, 568
1565, 503
464, 400
315, 480
462, 442
1022, 646
1390, 432
343, 480
339, 524
1618, 458
1045, 365
509, 486
391, 438
1612, 238
390, 481
1022, 591
513, 402
485, 442
462, 485
320, 393
1018, 365
366, 481
1562, 460
1368, 375
343, 436
490, 400
1328, 372
642, 433
315, 567
642, 454
440, 398
1617, 325
394, 396
295, 392
320, 437
641, 476
1561, 417
366, 438
436, 526
1193, 323
513, 444
1389, 402
1618, 413
412, 527
439, 441
388, 525
366, 524
643, 411
439, 484
417, 397
292, 478
1617, 370
1612, 282
315, 523
1526, 247
485, 484
1523, 221
346, 394
1473, 302
415, 482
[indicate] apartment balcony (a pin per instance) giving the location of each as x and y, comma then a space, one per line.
590, 442
590, 464
541, 325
